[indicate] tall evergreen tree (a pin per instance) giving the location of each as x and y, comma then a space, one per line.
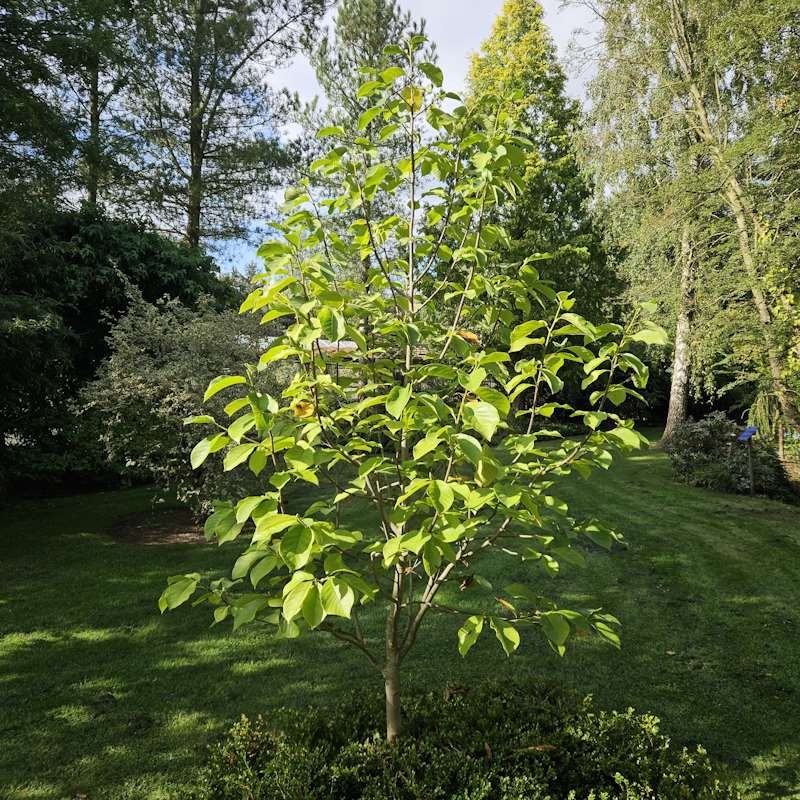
518, 62
94, 86
204, 117
362, 30
36, 140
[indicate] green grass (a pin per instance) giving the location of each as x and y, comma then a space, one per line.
101, 695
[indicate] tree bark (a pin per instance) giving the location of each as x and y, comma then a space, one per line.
391, 680
194, 199
391, 667
93, 151
679, 388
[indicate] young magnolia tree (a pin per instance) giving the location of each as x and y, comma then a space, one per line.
402, 396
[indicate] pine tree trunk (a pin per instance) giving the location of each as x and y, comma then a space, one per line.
93, 151
679, 388
194, 198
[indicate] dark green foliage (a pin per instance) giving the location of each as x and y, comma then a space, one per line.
65, 276
522, 741
79, 265
706, 453
35, 136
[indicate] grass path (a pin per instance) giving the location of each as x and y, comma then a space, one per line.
101, 696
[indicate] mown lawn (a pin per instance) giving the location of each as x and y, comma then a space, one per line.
101, 696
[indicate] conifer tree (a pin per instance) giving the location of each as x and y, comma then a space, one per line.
518, 62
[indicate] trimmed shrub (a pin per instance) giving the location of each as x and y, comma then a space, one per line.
706, 453
518, 742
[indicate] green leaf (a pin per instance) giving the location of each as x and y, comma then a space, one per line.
337, 598
179, 590
483, 417
651, 334
313, 610
246, 612
237, 455
469, 446
247, 505
397, 400
555, 628
220, 614
391, 74
294, 599
201, 419
245, 562
387, 130
617, 395
332, 323
519, 336
600, 535
506, 634
367, 116
257, 462
275, 353
431, 558
238, 428
426, 445
481, 159
331, 130
594, 419
581, 324
270, 524
295, 547
222, 382
468, 634
496, 398
433, 73
262, 569
441, 494
369, 88
628, 437
211, 444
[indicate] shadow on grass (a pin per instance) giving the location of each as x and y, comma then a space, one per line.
101, 695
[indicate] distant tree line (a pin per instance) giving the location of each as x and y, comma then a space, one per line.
136, 136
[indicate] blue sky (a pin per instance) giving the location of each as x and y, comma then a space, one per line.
458, 27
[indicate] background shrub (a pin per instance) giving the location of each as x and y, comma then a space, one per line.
705, 453
162, 358
518, 742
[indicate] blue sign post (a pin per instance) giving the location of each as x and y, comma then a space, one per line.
747, 436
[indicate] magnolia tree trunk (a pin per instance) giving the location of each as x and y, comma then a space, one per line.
391, 681
679, 388
391, 667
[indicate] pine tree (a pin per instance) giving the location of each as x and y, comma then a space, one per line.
361, 32
202, 111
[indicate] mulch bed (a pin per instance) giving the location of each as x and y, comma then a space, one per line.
158, 526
